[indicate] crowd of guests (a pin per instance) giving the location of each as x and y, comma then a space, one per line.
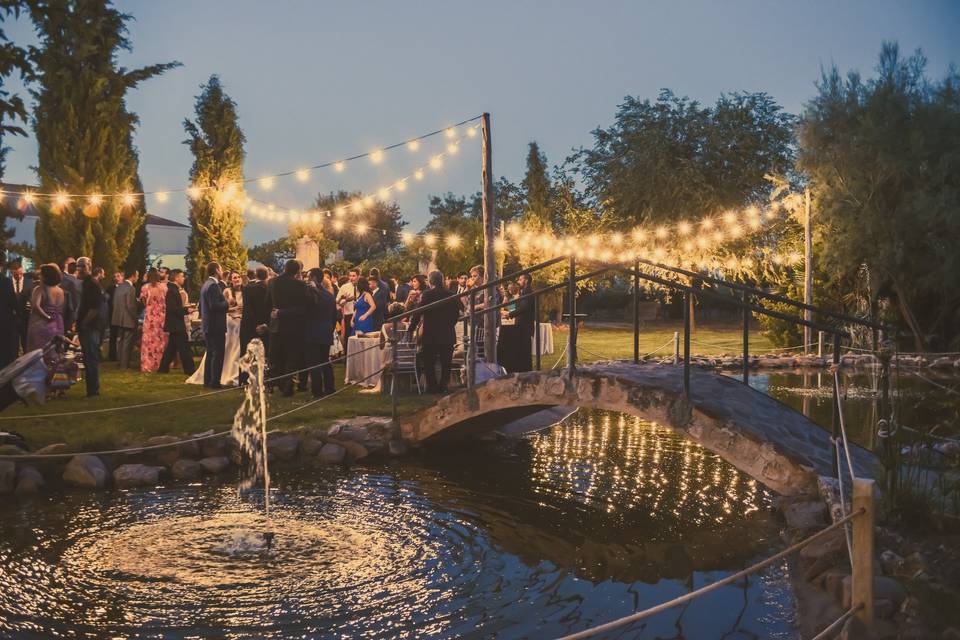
300, 316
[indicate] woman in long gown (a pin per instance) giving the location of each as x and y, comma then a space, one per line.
231, 353
153, 340
46, 308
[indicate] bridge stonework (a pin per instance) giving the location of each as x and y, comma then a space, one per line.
757, 434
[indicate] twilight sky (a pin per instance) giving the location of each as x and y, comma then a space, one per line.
317, 81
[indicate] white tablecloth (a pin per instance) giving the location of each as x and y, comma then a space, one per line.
546, 338
361, 364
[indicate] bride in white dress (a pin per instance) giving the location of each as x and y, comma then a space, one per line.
231, 353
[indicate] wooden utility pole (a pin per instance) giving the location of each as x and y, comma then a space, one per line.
489, 253
807, 270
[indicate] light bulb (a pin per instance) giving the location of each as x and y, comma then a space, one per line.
436, 162
418, 174
362, 229
95, 200
161, 196
401, 185
413, 145
376, 156
452, 148
303, 175
450, 132
472, 132
266, 183
453, 241
128, 199
338, 166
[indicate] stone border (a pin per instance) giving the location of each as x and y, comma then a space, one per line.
345, 442
793, 361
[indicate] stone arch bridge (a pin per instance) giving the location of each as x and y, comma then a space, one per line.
757, 434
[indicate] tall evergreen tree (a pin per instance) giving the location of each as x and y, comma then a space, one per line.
84, 130
12, 109
216, 213
138, 255
536, 185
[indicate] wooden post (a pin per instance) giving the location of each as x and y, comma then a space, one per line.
636, 312
572, 310
676, 347
489, 254
807, 271
863, 529
819, 344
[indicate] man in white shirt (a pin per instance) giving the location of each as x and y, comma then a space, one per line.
345, 299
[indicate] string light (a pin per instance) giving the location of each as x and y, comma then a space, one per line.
418, 174
436, 162
453, 241
301, 174
266, 183
128, 200
362, 228
95, 200
61, 200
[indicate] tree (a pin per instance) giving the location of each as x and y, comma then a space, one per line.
457, 227
138, 255
384, 226
216, 211
672, 159
84, 130
537, 189
12, 110
273, 253
881, 155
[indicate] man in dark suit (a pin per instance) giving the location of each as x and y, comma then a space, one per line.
72, 293
110, 290
9, 317
381, 297
289, 300
318, 336
256, 314
124, 317
22, 288
213, 313
173, 323
526, 325
438, 335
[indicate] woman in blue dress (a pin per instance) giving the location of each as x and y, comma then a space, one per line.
363, 309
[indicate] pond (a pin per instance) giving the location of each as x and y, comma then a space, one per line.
921, 400
591, 519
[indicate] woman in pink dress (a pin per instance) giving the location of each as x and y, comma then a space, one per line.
154, 340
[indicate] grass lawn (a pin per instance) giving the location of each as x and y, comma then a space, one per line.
193, 415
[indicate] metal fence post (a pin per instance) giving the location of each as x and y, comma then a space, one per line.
572, 310
636, 312
471, 356
746, 338
687, 299
395, 358
536, 329
863, 547
836, 404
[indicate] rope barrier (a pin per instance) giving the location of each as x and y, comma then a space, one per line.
938, 385
836, 624
665, 344
646, 613
126, 407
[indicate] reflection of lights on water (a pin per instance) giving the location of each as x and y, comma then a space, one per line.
622, 463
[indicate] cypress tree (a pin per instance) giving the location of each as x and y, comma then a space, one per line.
84, 130
12, 109
536, 185
216, 213
138, 255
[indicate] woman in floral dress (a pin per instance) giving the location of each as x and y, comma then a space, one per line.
154, 340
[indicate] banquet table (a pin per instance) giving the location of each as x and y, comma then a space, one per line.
545, 333
364, 363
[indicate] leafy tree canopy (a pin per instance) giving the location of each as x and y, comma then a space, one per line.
882, 157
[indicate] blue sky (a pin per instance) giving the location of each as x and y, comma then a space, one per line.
316, 81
